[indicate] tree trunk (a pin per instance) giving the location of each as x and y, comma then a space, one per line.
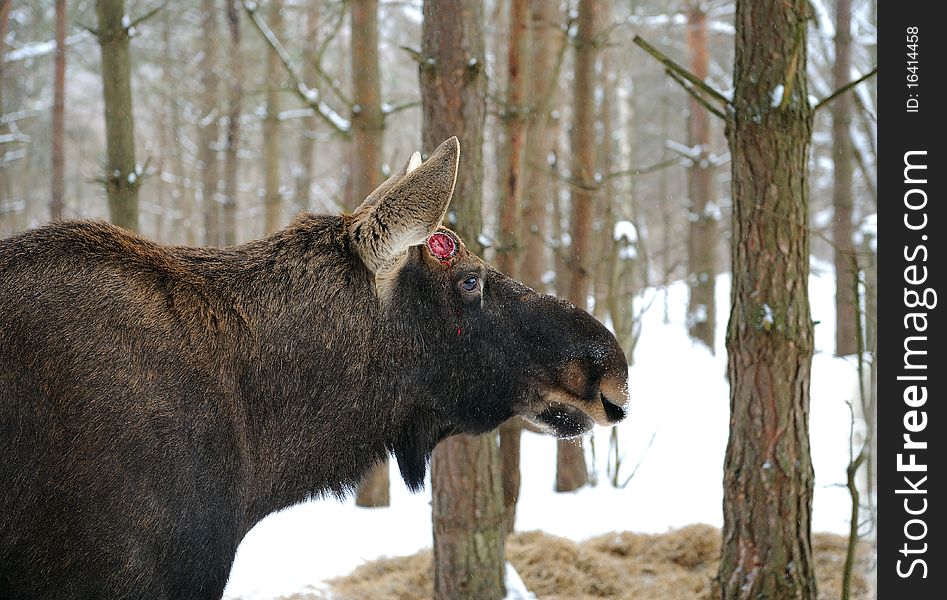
307, 139
467, 506
121, 179
546, 38
367, 120
842, 196
508, 252
228, 221
271, 127
514, 125
5, 6
571, 472
57, 201
367, 137
208, 126
605, 247
768, 473
183, 204
703, 234
666, 216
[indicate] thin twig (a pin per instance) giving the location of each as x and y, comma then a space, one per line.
393, 108
641, 460
636, 171
823, 102
595, 188
670, 64
856, 462
690, 90
146, 16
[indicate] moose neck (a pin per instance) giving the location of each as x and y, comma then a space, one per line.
316, 403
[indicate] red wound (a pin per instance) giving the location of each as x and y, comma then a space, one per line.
442, 245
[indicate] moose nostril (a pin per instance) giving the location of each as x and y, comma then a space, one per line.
613, 412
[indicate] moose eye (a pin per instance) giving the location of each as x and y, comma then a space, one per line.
471, 284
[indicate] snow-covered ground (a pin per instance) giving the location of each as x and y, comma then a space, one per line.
679, 397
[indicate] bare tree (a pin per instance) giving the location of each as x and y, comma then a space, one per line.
703, 234
768, 473
228, 227
514, 126
511, 187
571, 471
121, 177
467, 507
5, 6
367, 120
842, 194
547, 44
272, 200
183, 205
368, 128
57, 200
307, 137
209, 124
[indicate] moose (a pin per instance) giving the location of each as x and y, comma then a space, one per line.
158, 401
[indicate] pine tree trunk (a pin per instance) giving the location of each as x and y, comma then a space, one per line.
367, 121
514, 126
57, 201
571, 472
604, 245
367, 137
5, 6
703, 234
208, 127
307, 139
546, 38
467, 506
228, 227
842, 195
272, 201
183, 204
768, 473
121, 179
509, 251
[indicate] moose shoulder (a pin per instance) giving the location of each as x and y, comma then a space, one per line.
156, 402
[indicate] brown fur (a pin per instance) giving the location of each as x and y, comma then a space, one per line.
156, 402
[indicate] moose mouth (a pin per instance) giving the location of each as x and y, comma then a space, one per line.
563, 420
566, 416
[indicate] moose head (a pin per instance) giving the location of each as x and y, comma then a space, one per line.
486, 346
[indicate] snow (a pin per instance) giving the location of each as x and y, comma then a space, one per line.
676, 435
37, 49
868, 230
768, 315
776, 98
515, 588
625, 230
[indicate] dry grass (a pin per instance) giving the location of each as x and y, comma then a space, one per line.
678, 565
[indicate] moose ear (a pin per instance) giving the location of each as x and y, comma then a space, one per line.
403, 212
413, 163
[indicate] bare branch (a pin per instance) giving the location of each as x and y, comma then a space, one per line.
309, 96
673, 66
146, 16
391, 109
690, 90
825, 101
